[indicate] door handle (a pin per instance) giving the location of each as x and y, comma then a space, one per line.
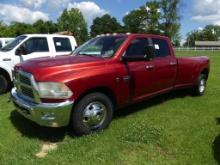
149, 67
173, 63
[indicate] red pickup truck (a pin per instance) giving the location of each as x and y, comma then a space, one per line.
104, 74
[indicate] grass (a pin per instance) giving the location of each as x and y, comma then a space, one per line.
174, 128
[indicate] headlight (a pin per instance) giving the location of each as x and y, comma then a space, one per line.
52, 90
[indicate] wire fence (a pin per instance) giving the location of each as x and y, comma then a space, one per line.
197, 49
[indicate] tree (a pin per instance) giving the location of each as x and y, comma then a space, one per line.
18, 28
105, 24
134, 21
170, 19
152, 10
72, 20
209, 33
43, 27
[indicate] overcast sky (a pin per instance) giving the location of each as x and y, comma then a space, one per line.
195, 14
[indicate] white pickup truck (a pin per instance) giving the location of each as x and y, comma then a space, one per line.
29, 46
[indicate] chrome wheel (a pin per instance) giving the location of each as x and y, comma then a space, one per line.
94, 115
202, 85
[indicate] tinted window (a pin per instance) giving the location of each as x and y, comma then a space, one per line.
36, 45
62, 44
137, 47
0, 44
161, 48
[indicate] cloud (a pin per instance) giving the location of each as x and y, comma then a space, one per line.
54, 4
33, 3
9, 13
207, 11
57, 3
90, 10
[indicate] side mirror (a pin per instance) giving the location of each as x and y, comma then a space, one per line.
150, 52
21, 51
18, 52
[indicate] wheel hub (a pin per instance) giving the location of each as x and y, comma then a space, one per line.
94, 115
202, 85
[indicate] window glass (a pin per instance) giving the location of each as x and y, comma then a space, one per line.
105, 46
0, 44
62, 44
14, 43
137, 47
36, 45
161, 47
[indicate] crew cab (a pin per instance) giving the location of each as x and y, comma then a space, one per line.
106, 73
30, 46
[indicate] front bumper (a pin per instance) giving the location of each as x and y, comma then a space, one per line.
44, 114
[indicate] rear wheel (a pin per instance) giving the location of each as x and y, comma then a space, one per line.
200, 88
3, 84
92, 113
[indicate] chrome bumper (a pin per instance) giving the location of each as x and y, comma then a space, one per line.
44, 114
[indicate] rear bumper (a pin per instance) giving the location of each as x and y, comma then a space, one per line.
44, 114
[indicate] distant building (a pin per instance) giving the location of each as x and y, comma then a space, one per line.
210, 44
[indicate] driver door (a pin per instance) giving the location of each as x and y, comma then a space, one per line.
141, 72
34, 48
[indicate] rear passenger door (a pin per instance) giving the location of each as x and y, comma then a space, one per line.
165, 65
62, 45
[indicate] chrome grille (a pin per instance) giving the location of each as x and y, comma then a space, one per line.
26, 86
27, 91
25, 80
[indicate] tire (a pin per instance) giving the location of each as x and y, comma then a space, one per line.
200, 88
3, 84
92, 113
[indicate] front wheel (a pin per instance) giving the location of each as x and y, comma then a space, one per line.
200, 88
3, 84
92, 113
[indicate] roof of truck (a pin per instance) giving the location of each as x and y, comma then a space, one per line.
132, 34
46, 35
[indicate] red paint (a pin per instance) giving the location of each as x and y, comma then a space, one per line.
82, 74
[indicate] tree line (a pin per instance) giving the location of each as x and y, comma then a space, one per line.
155, 17
209, 33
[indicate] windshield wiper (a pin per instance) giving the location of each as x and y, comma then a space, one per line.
90, 55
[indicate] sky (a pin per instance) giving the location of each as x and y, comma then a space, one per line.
194, 14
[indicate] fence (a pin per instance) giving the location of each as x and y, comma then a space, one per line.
197, 49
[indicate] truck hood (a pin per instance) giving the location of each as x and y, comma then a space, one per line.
56, 68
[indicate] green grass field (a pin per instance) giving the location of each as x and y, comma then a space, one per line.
174, 128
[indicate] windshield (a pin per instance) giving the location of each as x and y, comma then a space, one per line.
101, 46
11, 45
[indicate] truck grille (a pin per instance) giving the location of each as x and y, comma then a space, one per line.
27, 91
24, 86
25, 80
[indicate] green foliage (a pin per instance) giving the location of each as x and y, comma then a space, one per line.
17, 28
170, 18
72, 20
105, 24
156, 17
209, 33
134, 21
45, 27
